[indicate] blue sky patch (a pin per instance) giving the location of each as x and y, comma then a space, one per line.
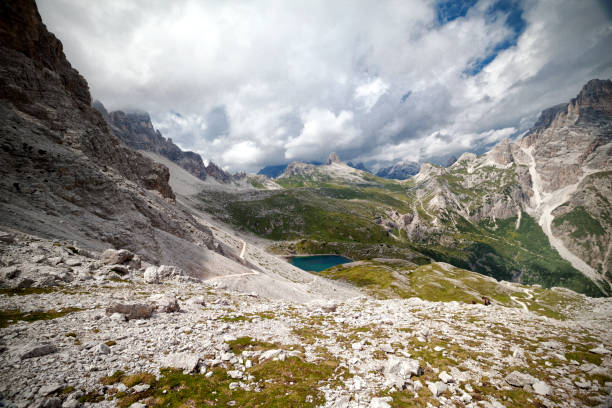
449, 10
512, 12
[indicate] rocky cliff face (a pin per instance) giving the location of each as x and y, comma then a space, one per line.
137, 131
62, 173
559, 173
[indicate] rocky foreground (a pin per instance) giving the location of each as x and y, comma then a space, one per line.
88, 329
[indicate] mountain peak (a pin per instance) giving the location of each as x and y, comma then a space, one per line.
333, 158
595, 94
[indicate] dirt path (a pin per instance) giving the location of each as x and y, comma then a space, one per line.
235, 275
523, 305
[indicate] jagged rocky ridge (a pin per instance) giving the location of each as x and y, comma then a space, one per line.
136, 131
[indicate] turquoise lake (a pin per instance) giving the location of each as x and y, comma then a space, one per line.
318, 263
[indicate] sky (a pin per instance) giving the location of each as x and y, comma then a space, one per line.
260, 82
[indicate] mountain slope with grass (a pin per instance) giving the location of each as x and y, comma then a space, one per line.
515, 213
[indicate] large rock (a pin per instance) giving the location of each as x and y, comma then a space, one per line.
402, 367
116, 257
131, 311
188, 362
150, 275
437, 388
37, 350
165, 303
518, 379
541, 388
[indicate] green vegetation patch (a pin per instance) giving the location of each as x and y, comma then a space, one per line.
27, 291
289, 383
500, 250
584, 224
9, 317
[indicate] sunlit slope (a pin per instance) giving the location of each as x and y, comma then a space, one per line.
441, 282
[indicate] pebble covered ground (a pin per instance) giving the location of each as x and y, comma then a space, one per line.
83, 329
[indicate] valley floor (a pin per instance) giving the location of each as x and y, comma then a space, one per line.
204, 344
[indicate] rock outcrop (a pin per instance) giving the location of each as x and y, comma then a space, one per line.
333, 158
559, 173
136, 130
63, 174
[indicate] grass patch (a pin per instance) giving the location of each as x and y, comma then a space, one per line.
581, 221
289, 383
9, 317
27, 291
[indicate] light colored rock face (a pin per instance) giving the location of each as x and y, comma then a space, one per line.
333, 158
63, 175
560, 173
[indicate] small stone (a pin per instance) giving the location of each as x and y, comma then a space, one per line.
266, 355
54, 402
120, 270
138, 405
165, 303
583, 384
381, 402
235, 374
517, 379
466, 398
437, 388
150, 275
234, 385
117, 317
49, 389
357, 346
55, 260
404, 368
600, 350
102, 349
73, 262
141, 387
71, 403
445, 377
197, 300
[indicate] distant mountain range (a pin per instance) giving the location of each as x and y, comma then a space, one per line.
400, 170
535, 211
273, 171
